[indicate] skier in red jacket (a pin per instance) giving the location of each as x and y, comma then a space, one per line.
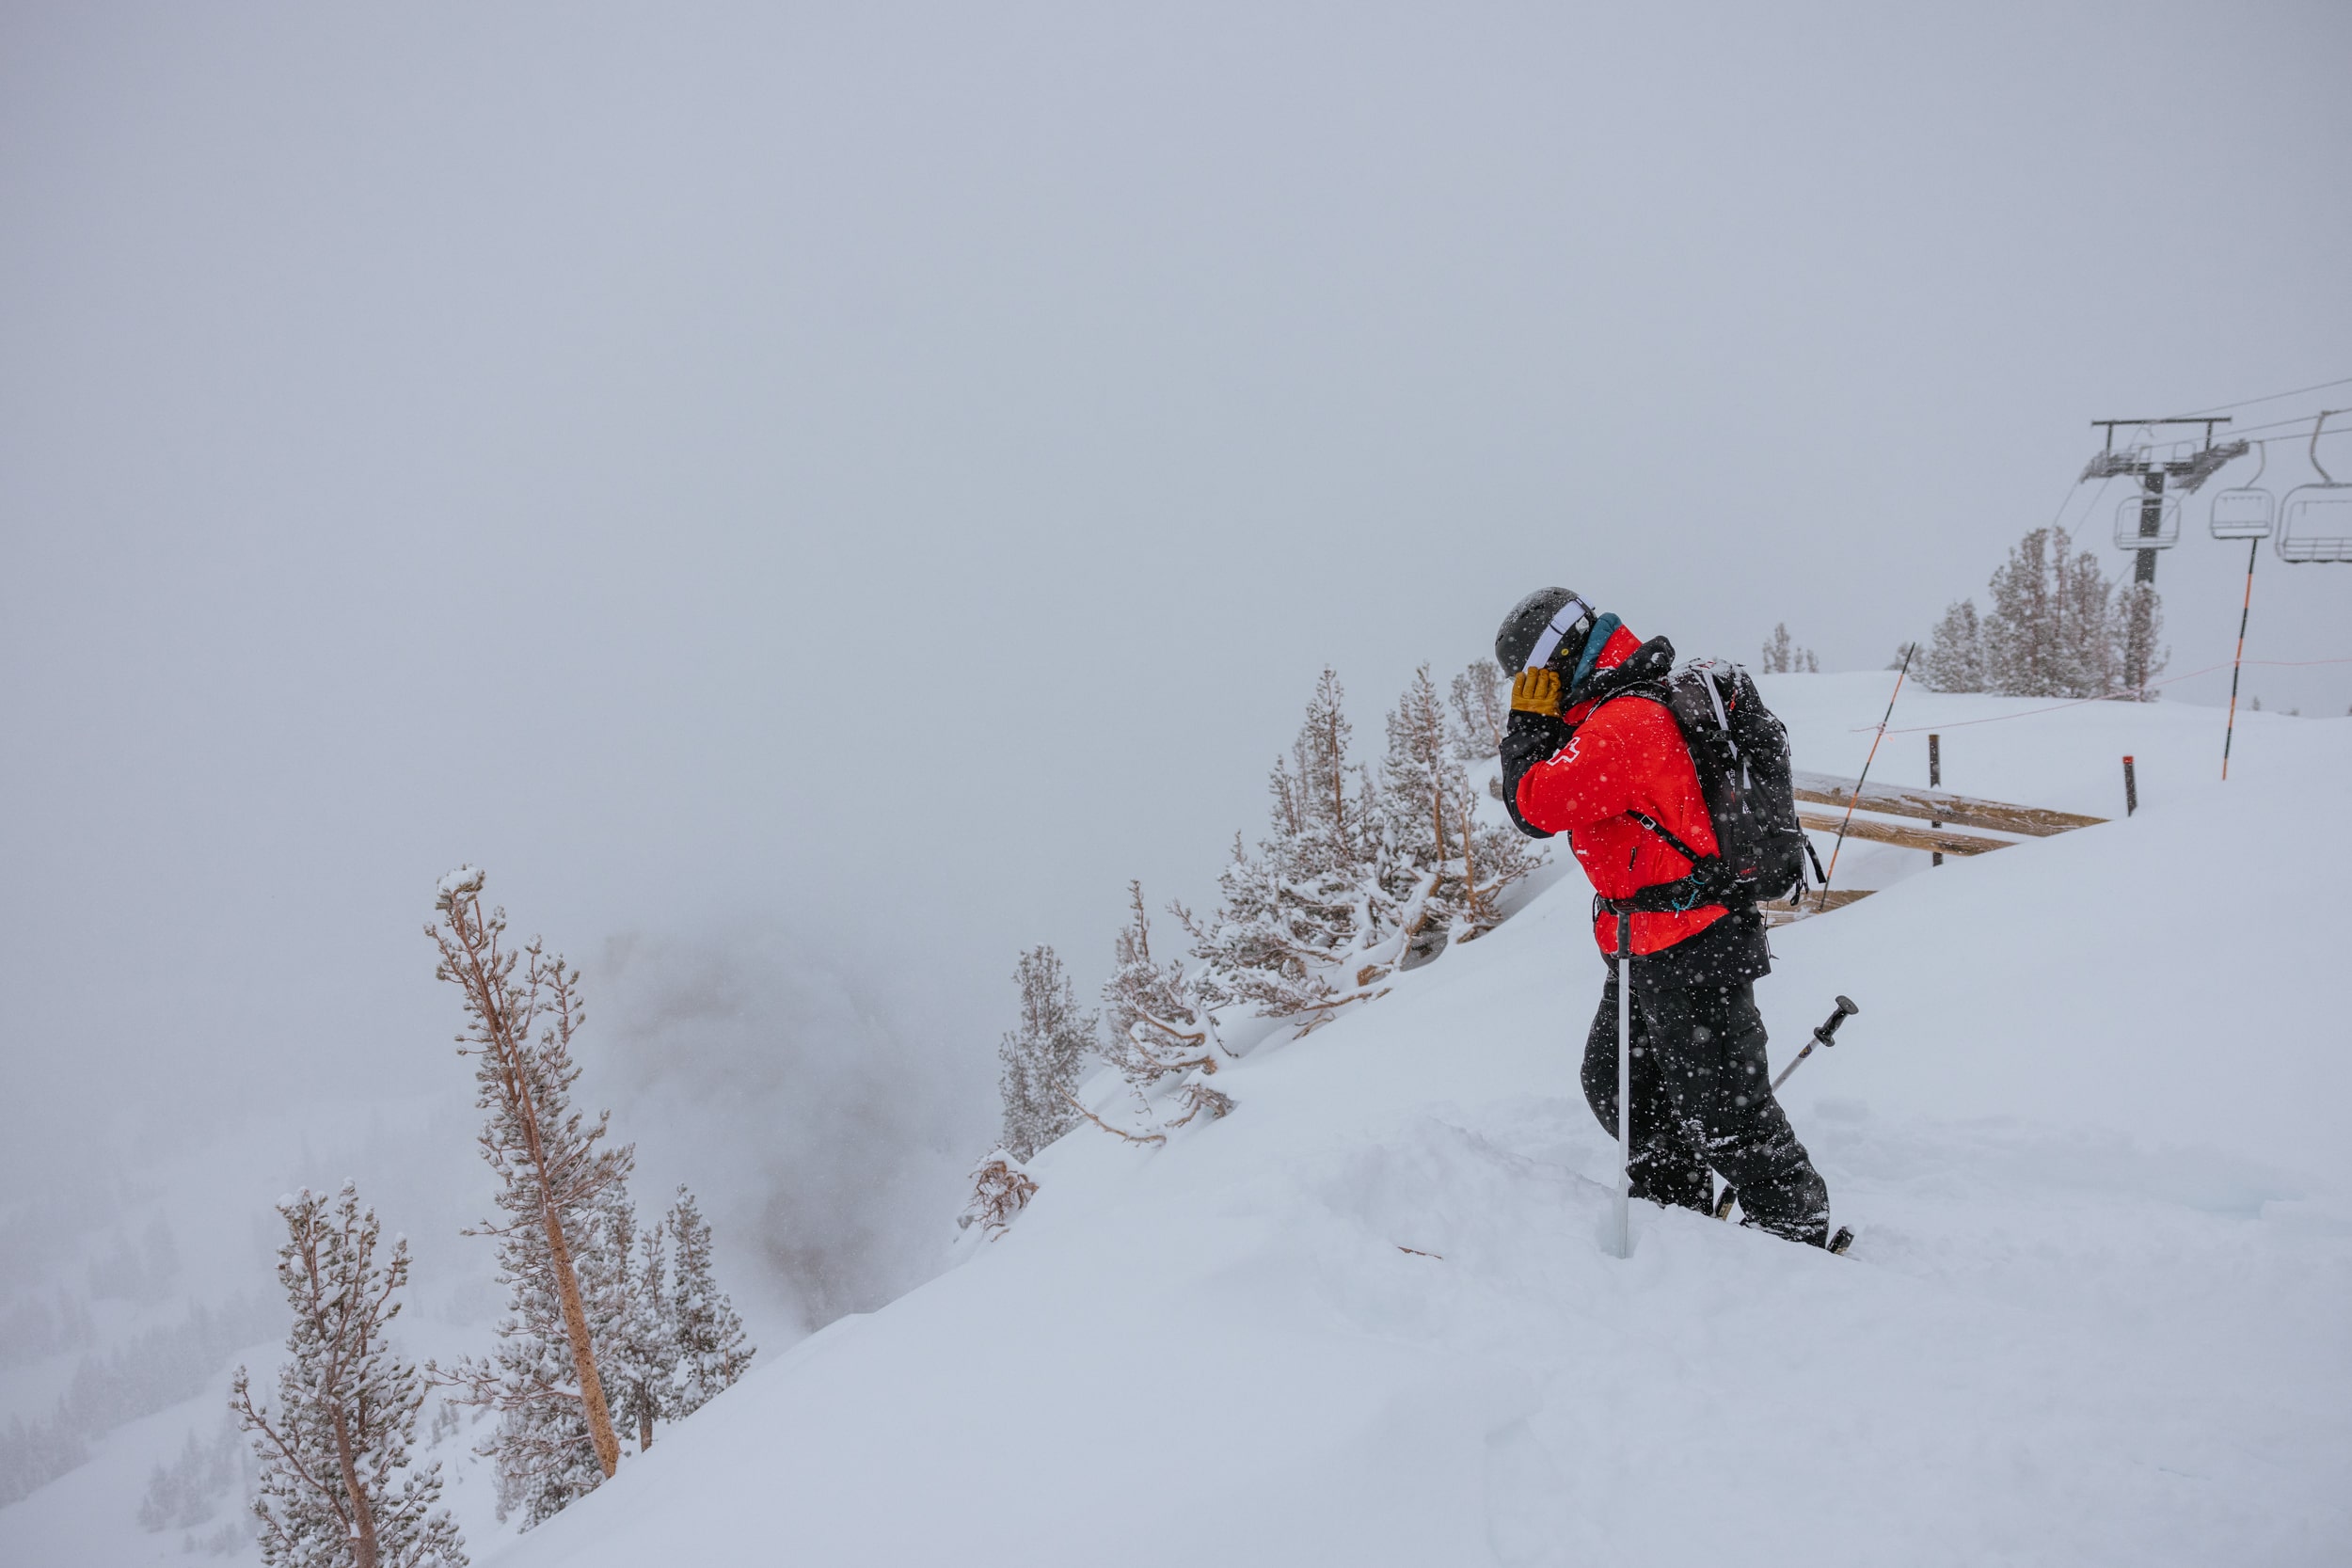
1593, 751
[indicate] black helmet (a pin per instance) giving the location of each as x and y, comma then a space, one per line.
1549, 627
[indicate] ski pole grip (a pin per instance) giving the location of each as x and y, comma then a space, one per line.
1846, 1010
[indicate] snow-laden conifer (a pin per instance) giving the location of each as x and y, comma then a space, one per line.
1040, 1059
1156, 1025
2140, 656
1162, 1029
1320, 917
336, 1488
1954, 659
1332, 853
623, 1284
1446, 867
1782, 656
2052, 630
555, 1439
188, 1491
1311, 922
1482, 706
712, 1350
2055, 626
1422, 788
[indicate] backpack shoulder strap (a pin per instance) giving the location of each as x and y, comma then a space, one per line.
1671, 842
1659, 692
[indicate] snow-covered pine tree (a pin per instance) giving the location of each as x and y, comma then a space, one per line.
1422, 784
1494, 856
187, 1492
712, 1350
1245, 955
1444, 866
1041, 1058
336, 1487
555, 1439
2085, 633
2020, 627
1161, 1027
2138, 628
1158, 1025
2058, 626
1335, 838
544, 1454
1311, 924
621, 1285
1482, 706
1782, 656
1954, 658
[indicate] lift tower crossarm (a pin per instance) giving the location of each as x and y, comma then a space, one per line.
2110, 426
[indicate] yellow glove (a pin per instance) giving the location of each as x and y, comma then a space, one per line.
1537, 691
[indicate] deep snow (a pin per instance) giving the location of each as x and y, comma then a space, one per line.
2088, 1123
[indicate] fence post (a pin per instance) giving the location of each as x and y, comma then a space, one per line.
1935, 780
2131, 788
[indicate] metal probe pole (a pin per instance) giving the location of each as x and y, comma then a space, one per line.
1822, 1035
1622, 1219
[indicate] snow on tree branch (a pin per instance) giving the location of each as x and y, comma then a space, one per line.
336, 1485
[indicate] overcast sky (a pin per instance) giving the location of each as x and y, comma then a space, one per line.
886, 475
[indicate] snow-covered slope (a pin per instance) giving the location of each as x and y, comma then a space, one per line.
2090, 1125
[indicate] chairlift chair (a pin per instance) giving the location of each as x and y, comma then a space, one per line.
2248, 511
2127, 534
2315, 520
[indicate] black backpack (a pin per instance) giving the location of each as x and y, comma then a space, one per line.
1740, 754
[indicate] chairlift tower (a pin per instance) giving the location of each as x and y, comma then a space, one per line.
2315, 525
2159, 526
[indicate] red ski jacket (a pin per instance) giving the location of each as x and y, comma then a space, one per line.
1627, 756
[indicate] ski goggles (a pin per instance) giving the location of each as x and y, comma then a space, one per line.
1574, 614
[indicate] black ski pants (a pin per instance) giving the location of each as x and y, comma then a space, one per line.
1702, 1094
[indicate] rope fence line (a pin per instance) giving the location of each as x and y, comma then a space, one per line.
2084, 701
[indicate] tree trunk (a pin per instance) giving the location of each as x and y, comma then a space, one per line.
1470, 872
503, 1038
584, 1355
1338, 778
362, 1518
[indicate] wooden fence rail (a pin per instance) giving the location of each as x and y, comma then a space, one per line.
1941, 811
1935, 805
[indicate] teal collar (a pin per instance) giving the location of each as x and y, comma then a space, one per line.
1603, 629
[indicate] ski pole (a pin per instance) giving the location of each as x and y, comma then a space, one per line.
1623, 1215
1822, 1035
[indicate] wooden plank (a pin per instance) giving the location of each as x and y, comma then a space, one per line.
1909, 839
1781, 915
1935, 805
